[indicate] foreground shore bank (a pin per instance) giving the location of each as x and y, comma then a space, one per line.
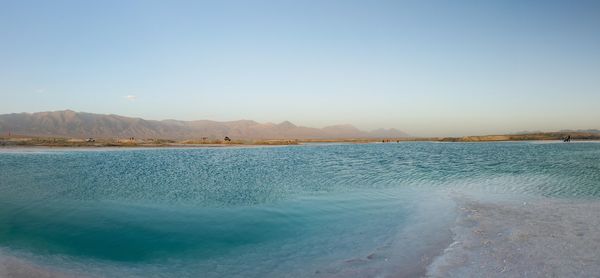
544, 237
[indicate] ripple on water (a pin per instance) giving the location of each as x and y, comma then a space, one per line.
331, 210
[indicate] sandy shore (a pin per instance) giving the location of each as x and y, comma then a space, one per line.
537, 238
28, 141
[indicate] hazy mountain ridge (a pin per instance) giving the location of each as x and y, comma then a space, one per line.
82, 125
524, 132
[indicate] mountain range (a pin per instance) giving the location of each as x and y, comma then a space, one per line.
73, 124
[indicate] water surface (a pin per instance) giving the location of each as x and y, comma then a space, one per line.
316, 210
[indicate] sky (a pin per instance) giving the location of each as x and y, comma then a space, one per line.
429, 68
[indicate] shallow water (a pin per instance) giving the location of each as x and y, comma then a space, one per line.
339, 210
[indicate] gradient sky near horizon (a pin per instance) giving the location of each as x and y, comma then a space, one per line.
424, 67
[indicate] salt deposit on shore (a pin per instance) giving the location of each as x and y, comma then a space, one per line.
537, 238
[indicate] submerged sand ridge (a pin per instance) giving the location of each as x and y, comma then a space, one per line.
12, 267
537, 238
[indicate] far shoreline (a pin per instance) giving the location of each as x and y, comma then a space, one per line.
26, 141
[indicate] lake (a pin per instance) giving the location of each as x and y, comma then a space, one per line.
315, 210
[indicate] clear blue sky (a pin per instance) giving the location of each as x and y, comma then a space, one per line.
425, 67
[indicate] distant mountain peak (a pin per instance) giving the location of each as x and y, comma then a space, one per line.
286, 124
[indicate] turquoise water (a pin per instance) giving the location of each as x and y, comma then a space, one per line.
314, 210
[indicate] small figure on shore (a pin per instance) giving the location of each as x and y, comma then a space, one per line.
227, 139
567, 139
